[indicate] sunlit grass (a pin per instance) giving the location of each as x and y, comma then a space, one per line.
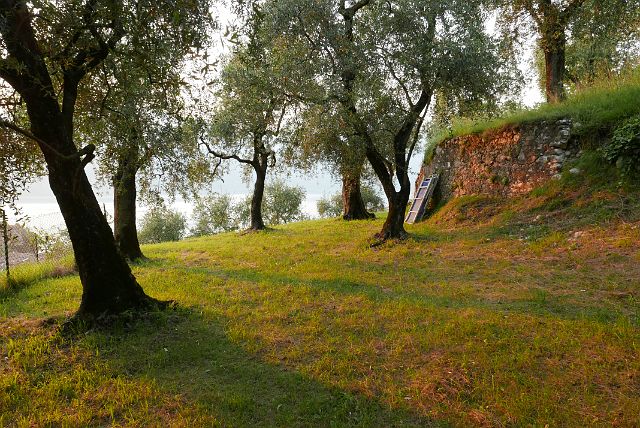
493, 313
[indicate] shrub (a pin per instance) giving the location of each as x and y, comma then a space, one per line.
282, 203
330, 206
214, 214
161, 224
624, 148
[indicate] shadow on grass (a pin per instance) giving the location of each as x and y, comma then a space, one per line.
190, 354
551, 306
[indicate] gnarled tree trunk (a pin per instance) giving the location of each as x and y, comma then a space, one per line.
353, 207
258, 193
124, 203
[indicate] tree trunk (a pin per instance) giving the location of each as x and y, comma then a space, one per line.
108, 286
256, 200
393, 227
353, 207
554, 59
124, 219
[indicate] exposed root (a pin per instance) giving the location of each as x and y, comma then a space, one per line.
367, 216
383, 237
82, 322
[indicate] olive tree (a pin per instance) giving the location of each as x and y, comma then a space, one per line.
248, 119
591, 34
48, 49
394, 58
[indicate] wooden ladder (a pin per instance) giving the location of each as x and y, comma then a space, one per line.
423, 195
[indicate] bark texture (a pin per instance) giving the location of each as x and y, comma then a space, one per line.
260, 167
124, 202
555, 64
354, 207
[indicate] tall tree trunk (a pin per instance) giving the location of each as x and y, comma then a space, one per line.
124, 219
554, 45
353, 207
258, 193
108, 285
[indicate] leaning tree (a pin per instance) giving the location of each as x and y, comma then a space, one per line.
393, 58
48, 50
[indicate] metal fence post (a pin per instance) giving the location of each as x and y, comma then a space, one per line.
5, 238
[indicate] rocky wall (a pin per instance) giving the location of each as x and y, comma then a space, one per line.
508, 162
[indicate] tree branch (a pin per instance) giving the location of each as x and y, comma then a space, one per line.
222, 156
86, 151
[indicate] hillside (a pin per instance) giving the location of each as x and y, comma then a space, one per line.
595, 110
494, 312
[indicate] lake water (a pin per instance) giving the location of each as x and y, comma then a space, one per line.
47, 216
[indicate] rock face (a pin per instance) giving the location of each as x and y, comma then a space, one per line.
508, 162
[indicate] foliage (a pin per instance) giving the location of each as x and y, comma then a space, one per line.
332, 206
599, 37
624, 148
379, 66
214, 214
161, 224
329, 207
282, 203
141, 126
251, 107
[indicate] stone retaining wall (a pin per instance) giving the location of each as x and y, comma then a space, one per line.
508, 162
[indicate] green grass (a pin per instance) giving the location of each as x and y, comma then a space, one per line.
27, 273
594, 109
492, 313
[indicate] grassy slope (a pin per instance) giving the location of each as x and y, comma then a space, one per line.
493, 313
595, 109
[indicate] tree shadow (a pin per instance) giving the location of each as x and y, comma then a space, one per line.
189, 353
557, 307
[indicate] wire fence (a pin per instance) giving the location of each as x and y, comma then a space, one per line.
43, 237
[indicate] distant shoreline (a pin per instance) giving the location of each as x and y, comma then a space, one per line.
47, 215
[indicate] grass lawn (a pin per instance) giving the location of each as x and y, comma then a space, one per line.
493, 313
